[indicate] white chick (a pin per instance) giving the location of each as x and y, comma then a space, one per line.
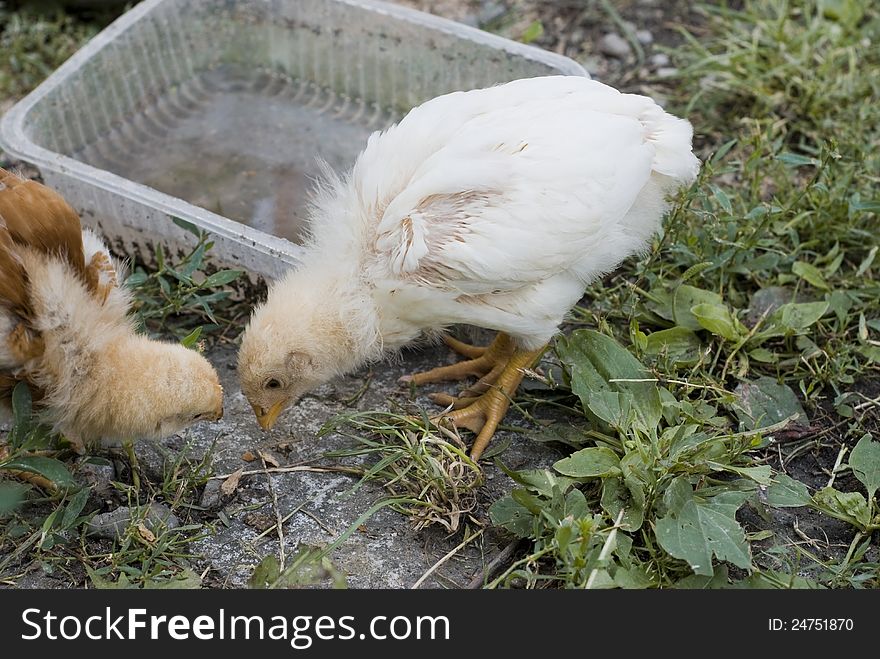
495, 208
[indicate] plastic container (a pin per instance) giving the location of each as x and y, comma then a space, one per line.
217, 111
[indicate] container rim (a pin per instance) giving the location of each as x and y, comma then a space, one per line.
15, 141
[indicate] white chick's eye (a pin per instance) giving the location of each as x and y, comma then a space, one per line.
272, 383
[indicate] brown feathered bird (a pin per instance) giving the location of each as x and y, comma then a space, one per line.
65, 330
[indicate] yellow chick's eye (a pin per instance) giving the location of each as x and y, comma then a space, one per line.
272, 383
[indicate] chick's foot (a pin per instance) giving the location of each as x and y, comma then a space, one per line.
482, 412
484, 363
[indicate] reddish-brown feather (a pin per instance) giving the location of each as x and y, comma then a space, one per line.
40, 218
35, 217
13, 283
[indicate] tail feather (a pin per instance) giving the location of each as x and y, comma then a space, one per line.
672, 140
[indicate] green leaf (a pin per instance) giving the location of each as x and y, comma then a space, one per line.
761, 475
192, 339
74, 508
534, 31
717, 319
867, 261
50, 468
793, 318
786, 492
848, 12
187, 226
597, 363
184, 279
136, 279
102, 583
871, 353
685, 298
679, 344
185, 580
865, 464
22, 411
722, 198
542, 481
11, 496
764, 402
840, 303
810, 274
796, 160
627, 495
221, 278
847, 506
697, 529
613, 408
194, 262
590, 463
718, 579
510, 515
695, 270
266, 573
723, 150
634, 578
763, 355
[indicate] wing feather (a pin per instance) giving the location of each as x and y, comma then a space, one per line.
494, 210
41, 219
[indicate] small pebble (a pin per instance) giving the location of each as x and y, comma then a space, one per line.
113, 524
644, 37
491, 11
210, 498
614, 45
97, 475
659, 60
666, 72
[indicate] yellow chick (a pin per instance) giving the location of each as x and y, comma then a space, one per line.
65, 329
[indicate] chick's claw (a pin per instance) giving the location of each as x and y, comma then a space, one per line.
482, 413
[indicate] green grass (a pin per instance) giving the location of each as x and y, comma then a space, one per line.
180, 298
429, 473
33, 44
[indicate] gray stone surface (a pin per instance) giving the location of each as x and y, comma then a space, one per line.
386, 551
112, 524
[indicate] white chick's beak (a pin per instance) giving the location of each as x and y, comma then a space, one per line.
267, 418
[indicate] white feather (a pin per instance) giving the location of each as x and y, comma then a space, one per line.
493, 207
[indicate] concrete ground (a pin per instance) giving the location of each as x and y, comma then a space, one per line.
386, 551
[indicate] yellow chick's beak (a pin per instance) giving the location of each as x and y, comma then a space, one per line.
267, 418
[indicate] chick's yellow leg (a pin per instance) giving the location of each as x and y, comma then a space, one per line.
483, 413
465, 349
483, 362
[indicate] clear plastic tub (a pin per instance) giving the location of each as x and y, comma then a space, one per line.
217, 111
